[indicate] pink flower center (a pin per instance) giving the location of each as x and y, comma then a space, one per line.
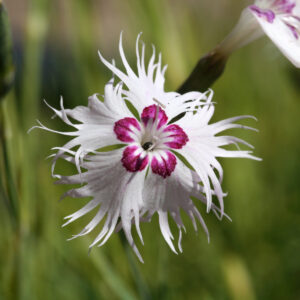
150, 141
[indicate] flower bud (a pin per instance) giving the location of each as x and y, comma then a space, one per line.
209, 68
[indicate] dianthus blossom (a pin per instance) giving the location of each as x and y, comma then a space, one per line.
136, 157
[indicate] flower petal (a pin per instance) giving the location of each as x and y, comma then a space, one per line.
148, 84
154, 115
176, 137
163, 164
172, 196
283, 37
268, 14
134, 159
126, 129
130, 209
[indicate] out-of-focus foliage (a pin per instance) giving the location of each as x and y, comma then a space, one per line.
6, 61
254, 257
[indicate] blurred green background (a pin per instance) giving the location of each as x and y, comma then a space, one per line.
257, 256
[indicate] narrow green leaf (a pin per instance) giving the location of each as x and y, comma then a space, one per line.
133, 110
111, 148
184, 160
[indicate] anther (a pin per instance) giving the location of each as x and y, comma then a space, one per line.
159, 103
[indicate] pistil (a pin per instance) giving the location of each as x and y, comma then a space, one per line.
147, 146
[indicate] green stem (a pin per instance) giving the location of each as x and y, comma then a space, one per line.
11, 199
136, 274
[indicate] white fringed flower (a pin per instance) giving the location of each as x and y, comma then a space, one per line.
278, 19
162, 166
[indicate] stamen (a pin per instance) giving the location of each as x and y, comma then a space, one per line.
159, 103
156, 120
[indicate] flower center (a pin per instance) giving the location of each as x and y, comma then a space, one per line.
150, 141
147, 146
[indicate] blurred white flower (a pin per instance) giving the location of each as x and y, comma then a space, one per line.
162, 166
278, 19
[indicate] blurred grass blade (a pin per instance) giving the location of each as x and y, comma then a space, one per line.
238, 278
7, 69
11, 200
8, 191
112, 278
